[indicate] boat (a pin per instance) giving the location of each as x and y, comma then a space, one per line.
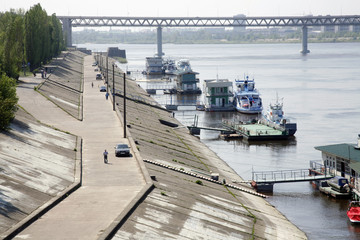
154, 66
183, 65
247, 98
353, 212
339, 184
186, 82
169, 66
274, 117
337, 187
218, 95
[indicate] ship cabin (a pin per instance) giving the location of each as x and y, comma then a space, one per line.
154, 65
186, 82
218, 95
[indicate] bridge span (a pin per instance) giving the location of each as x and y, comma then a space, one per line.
160, 22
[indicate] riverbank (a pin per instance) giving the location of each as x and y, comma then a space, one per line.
181, 205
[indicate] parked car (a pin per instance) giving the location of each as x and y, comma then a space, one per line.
94, 64
98, 76
102, 89
122, 150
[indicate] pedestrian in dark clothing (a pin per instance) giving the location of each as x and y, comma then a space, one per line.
105, 156
107, 96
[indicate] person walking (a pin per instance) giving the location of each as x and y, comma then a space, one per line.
105, 156
92, 84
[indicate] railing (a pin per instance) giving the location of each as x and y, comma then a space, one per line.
279, 176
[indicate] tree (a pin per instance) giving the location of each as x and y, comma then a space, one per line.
37, 37
8, 100
12, 47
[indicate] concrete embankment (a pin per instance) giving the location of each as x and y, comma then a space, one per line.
38, 166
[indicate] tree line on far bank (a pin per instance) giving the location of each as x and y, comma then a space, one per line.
209, 36
27, 40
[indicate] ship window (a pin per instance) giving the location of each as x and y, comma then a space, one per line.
327, 162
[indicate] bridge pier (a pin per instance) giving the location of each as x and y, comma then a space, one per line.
67, 29
159, 42
305, 49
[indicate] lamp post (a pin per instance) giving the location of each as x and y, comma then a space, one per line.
113, 92
107, 74
124, 105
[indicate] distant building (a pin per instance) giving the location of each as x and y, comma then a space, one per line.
355, 28
328, 28
342, 28
116, 52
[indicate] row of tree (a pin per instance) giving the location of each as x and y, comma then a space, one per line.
27, 40
207, 36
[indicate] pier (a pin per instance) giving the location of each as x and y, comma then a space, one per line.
265, 180
257, 131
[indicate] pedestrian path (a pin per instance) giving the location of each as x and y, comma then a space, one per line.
107, 189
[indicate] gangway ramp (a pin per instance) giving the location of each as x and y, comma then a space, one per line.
264, 181
286, 176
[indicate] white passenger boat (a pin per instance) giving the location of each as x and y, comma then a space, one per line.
247, 98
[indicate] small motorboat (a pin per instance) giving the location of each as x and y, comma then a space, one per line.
353, 212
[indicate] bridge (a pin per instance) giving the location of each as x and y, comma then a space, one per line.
160, 22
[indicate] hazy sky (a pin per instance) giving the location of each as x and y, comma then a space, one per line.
191, 8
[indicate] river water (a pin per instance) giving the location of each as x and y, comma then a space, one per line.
320, 91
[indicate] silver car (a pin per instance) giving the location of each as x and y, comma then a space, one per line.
122, 150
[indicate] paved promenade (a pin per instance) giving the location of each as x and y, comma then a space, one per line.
107, 189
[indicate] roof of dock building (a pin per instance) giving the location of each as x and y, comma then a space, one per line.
343, 150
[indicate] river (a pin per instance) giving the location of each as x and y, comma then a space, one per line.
321, 92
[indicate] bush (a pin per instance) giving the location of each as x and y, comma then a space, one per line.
8, 100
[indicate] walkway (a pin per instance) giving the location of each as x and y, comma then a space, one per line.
107, 189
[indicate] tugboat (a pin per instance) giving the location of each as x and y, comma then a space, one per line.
353, 212
275, 117
247, 98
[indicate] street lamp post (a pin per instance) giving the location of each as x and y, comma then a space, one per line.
124, 105
107, 74
113, 92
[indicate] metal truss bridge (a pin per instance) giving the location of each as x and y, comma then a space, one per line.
78, 21
160, 22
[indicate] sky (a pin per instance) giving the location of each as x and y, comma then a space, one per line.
188, 8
